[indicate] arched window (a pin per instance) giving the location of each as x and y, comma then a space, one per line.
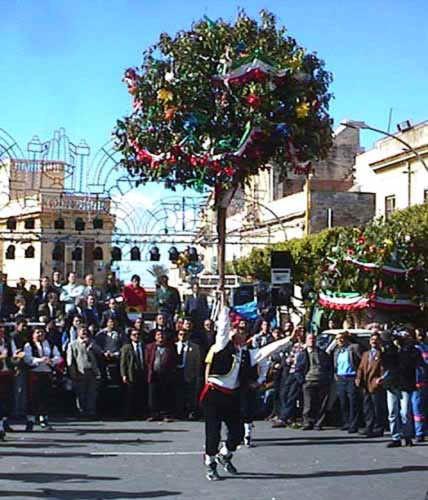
98, 253
76, 254
59, 224
11, 223
10, 252
29, 252
29, 223
98, 223
116, 253
135, 253
79, 224
58, 252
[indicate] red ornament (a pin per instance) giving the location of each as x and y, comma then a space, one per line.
361, 240
350, 251
254, 101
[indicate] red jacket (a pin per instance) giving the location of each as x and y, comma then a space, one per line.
135, 296
171, 359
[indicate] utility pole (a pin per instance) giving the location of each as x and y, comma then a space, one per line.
409, 174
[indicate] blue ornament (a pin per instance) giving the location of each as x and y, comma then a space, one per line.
240, 47
190, 122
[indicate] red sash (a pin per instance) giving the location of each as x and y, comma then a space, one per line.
209, 386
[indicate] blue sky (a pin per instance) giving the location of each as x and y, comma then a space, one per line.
62, 60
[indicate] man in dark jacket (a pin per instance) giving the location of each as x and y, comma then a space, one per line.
400, 359
196, 307
132, 373
161, 361
314, 368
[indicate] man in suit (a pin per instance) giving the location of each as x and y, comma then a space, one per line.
315, 370
189, 375
346, 359
7, 297
196, 307
84, 371
41, 296
161, 364
90, 313
370, 379
51, 310
132, 373
116, 314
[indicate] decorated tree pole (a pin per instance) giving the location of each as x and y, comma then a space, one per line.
214, 105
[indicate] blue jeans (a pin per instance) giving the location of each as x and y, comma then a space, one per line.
399, 413
349, 399
420, 411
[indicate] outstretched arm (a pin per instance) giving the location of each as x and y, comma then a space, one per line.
258, 355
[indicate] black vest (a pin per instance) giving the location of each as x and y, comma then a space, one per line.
223, 360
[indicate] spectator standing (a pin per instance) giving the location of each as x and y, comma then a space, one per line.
161, 364
161, 325
40, 357
51, 310
70, 292
111, 288
167, 300
6, 297
290, 386
41, 296
420, 395
134, 295
133, 376
70, 334
370, 379
90, 289
189, 375
8, 361
84, 371
19, 337
346, 359
90, 314
261, 338
315, 368
196, 307
115, 313
400, 359
209, 331
57, 282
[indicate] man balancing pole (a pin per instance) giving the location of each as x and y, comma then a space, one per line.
229, 365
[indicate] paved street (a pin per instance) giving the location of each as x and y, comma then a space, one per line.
124, 460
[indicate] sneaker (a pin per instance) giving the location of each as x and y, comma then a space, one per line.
394, 444
212, 474
46, 425
29, 427
226, 463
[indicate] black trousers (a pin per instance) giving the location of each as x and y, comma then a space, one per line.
349, 399
6, 393
289, 392
162, 394
219, 407
186, 395
374, 405
315, 397
39, 393
248, 404
135, 396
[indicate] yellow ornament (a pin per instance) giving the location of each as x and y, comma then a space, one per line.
302, 110
165, 95
388, 243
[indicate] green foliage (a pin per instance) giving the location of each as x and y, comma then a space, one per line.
189, 121
323, 259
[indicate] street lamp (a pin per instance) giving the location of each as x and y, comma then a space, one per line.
363, 125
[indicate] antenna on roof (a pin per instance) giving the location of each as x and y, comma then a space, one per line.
389, 120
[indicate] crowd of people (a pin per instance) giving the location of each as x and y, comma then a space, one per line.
81, 337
